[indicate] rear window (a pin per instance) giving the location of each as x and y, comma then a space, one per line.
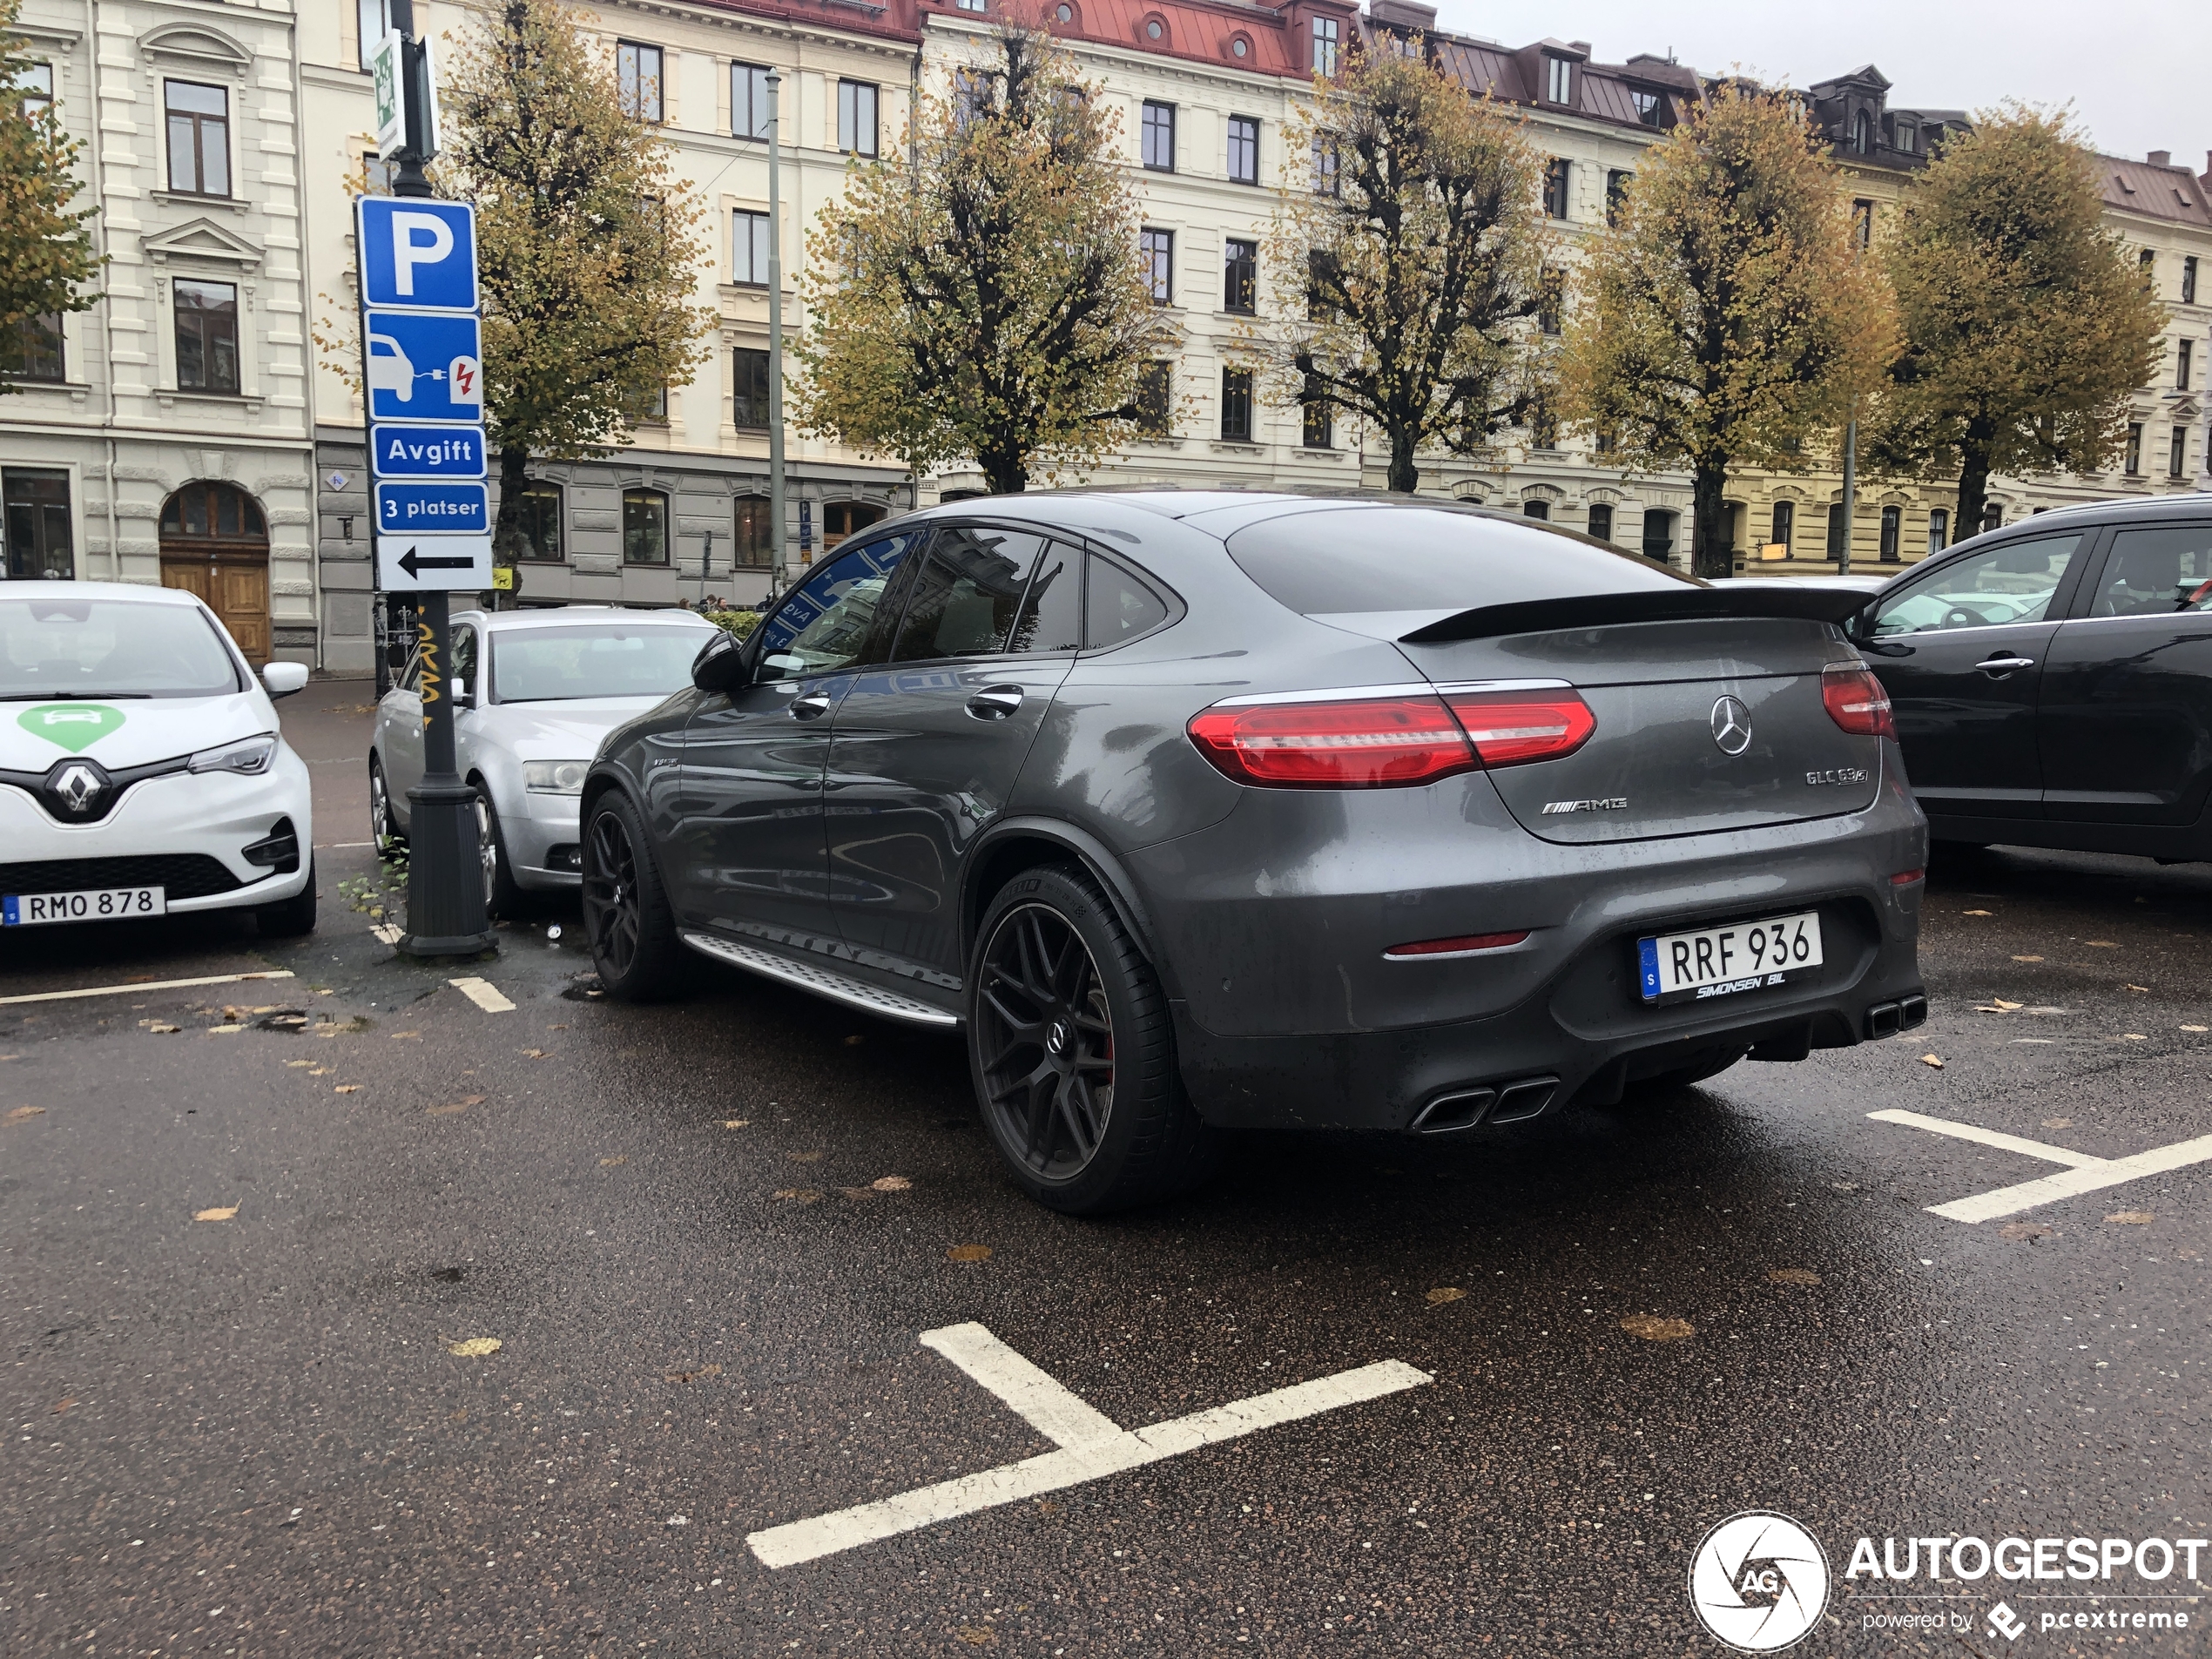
1351, 559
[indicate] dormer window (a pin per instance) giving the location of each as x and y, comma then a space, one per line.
1647, 107
1862, 133
1559, 86
1908, 137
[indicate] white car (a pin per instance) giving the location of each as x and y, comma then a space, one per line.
142, 772
534, 691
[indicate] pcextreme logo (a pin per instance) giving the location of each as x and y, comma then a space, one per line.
1758, 1582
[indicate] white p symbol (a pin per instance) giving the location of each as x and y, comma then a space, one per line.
408, 252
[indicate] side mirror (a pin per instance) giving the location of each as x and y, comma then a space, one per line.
282, 680
461, 691
721, 664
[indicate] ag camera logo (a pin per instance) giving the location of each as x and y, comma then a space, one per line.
1758, 1582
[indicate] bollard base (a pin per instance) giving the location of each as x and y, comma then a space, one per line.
450, 945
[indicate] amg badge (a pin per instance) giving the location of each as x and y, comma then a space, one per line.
1838, 775
1610, 804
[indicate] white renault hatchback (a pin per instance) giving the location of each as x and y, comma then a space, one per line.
142, 772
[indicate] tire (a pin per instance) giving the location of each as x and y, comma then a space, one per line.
626, 914
383, 827
290, 918
501, 896
1710, 1065
1063, 1009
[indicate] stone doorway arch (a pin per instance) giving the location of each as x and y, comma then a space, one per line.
215, 543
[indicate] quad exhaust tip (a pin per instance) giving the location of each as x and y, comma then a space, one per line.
1463, 1108
1887, 1019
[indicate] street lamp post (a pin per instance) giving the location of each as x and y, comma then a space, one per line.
781, 567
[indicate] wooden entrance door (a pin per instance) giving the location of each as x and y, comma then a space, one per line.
215, 543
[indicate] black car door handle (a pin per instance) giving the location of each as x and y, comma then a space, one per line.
994, 702
810, 706
1998, 667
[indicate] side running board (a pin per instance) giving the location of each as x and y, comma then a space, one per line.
822, 982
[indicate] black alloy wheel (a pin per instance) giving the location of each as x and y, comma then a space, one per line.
626, 916
1046, 1039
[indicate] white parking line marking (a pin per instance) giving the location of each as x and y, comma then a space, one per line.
483, 993
1101, 1450
1988, 1137
148, 985
389, 932
2086, 1175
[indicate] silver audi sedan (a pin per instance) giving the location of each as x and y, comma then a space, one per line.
534, 691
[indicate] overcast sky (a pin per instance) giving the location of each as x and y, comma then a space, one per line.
2130, 67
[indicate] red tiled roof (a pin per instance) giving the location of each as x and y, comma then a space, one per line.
1275, 42
897, 20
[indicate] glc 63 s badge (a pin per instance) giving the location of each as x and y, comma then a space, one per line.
1838, 775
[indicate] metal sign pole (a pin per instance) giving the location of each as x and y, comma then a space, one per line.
781, 577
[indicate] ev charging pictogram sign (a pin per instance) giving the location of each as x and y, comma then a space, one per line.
422, 369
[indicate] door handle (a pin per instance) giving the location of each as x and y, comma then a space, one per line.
810, 706
1998, 667
994, 702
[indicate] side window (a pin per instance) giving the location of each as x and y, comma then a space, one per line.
464, 660
409, 678
964, 603
1052, 612
2011, 583
1119, 606
2155, 572
824, 623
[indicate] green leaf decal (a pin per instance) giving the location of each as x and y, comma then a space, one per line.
74, 727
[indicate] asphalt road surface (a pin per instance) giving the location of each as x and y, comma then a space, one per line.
708, 1238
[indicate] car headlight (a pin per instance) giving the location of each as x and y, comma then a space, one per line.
555, 777
248, 755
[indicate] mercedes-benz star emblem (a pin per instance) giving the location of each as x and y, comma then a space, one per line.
79, 786
1731, 726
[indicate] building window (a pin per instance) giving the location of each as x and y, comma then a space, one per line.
644, 526
1237, 405
1658, 535
207, 336
1240, 277
1243, 150
2147, 262
1992, 516
374, 19
1556, 187
749, 249
972, 5
2177, 453
2184, 352
650, 406
1603, 442
1647, 107
34, 88
1551, 300
377, 174
844, 518
638, 71
1862, 133
1157, 248
1783, 526
38, 349
2134, 463
1862, 223
1893, 527
1938, 529
1616, 194
1543, 426
41, 545
1325, 45
2189, 280
749, 100
541, 513
1836, 530
856, 130
756, 543
1559, 80
1539, 510
200, 138
1326, 158
1318, 423
1601, 519
749, 404
1154, 398
1158, 136
1908, 137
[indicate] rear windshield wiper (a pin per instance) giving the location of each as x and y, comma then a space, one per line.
48, 696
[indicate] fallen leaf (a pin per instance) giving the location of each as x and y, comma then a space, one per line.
736, 1123
2058, 1122
223, 1214
856, 1193
1444, 1293
556, 1027
299, 1062
159, 1027
692, 1376
21, 1112
532, 1054
1844, 1186
347, 1089
2102, 944
322, 1071
1792, 1276
609, 1163
454, 1110
1656, 1329
225, 1030
1932, 1060
1973, 913
975, 1635
475, 1347
803, 1195
2133, 1036
806, 1158
400, 1036
2132, 1217
461, 1416
969, 1254
2027, 1230
63, 1406
2000, 1002
2027, 959
855, 1041
891, 1183
2136, 987
2195, 1027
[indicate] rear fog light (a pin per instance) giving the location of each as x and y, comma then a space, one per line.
1464, 945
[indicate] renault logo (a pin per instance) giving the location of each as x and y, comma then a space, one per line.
77, 787
1731, 726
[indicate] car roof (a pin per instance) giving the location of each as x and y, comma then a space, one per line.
143, 591
2192, 503
580, 616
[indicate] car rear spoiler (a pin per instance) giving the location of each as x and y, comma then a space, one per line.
1609, 610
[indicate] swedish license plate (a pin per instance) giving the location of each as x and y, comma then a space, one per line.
1721, 961
95, 904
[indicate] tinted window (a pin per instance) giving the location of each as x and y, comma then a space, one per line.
63, 648
1421, 558
557, 664
1120, 607
823, 623
2156, 571
2007, 583
1051, 615
965, 601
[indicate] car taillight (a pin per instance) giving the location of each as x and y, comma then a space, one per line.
1857, 702
1365, 743
1510, 727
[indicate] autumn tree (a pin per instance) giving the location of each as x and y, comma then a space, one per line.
46, 255
983, 304
588, 248
1405, 263
2026, 326
1727, 318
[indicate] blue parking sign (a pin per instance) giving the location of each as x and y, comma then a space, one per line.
434, 509
423, 367
399, 451
418, 253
